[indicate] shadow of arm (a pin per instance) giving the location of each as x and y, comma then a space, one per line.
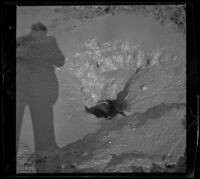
55, 54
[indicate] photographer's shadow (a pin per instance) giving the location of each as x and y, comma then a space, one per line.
37, 88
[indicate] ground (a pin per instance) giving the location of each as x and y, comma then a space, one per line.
152, 137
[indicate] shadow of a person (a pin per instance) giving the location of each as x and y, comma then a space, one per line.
37, 86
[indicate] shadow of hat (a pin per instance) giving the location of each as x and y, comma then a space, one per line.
38, 27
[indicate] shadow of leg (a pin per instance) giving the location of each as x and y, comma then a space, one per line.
20, 107
47, 160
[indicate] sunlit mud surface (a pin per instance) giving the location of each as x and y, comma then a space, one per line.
102, 54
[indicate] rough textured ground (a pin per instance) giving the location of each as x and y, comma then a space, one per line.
162, 13
104, 46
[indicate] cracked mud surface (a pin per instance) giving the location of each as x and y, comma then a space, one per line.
103, 49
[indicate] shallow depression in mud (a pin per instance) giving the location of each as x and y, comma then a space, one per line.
102, 56
137, 29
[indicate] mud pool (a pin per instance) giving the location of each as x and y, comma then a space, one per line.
101, 55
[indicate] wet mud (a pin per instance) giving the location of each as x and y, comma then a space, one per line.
134, 56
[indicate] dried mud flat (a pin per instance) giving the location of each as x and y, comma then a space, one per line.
151, 138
